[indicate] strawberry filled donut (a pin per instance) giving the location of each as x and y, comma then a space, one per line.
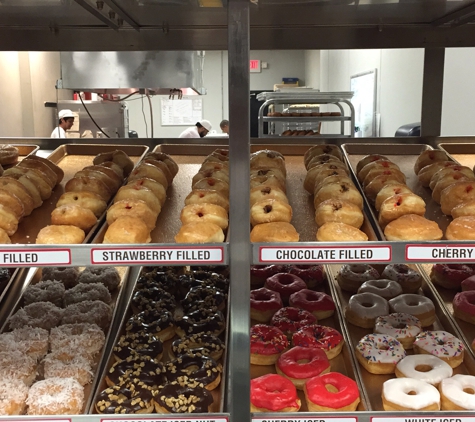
299, 364
289, 320
267, 343
450, 276
264, 304
332, 392
319, 304
321, 337
273, 393
464, 306
285, 284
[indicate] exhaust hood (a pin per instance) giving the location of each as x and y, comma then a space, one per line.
150, 72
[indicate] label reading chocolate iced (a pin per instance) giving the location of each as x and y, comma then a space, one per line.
427, 253
34, 257
210, 255
425, 418
305, 419
324, 254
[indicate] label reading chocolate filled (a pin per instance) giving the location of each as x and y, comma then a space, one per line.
34, 257
427, 253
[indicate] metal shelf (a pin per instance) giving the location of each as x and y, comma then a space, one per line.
307, 119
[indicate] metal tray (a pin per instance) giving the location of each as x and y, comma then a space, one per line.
405, 156
24, 150
16, 277
373, 383
71, 158
33, 277
446, 297
464, 154
119, 328
343, 363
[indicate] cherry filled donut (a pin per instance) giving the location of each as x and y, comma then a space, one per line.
342, 395
299, 364
409, 279
313, 275
273, 393
264, 304
450, 276
267, 343
289, 320
318, 336
464, 306
285, 284
351, 276
260, 273
319, 304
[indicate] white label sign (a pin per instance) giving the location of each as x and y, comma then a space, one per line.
425, 418
325, 254
34, 257
440, 252
180, 419
157, 255
312, 419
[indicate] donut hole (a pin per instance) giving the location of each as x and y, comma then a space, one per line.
331, 388
200, 214
201, 195
367, 304
399, 326
303, 361
412, 393
423, 368
440, 342
469, 390
412, 303
266, 191
383, 347
286, 279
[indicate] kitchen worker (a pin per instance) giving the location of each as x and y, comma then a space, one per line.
224, 125
199, 130
66, 121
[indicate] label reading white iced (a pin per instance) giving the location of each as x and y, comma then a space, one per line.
425, 418
34, 257
305, 419
157, 255
324, 254
440, 252
180, 419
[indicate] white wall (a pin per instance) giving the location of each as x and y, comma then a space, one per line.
312, 68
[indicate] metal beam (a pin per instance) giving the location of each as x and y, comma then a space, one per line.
455, 16
122, 13
432, 91
93, 11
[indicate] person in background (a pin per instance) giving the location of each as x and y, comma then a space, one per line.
66, 121
199, 130
224, 125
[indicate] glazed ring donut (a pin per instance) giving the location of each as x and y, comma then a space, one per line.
299, 364
274, 393
319, 304
419, 306
340, 232
322, 149
207, 213
270, 211
194, 368
429, 157
426, 173
14, 393
289, 320
455, 392
450, 276
318, 336
364, 308
369, 159
73, 215
378, 164
199, 344
270, 180
141, 193
211, 196
398, 205
267, 343
157, 188
461, 228
409, 279
89, 184
403, 327
89, 311
264, 304
210, 183
332, 392
108, 276
464, 306
267, 192
39, 314
8, 154
387, 289
136, 208
217, 174
450, 171
441, 344
379, 353
351, 276
285, 284
434, 369
341, 191
409, 394
84, 199
176, 397
372, 189
151, 172
389, 190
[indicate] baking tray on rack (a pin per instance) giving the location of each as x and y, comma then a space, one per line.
405, 156
462, 153
373, 383
108, 360
71, 158
24, 150
33, 277
343, 363
446, 297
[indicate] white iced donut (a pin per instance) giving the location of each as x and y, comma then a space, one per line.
387, 289
410, 394
364, 308
457, 392
425, 368
441, 344
403, 327
419, 306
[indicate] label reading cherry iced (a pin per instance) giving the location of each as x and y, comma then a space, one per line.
180, 419
324, 254
427, 253
34, 257
306, 419
425, 418
194, 255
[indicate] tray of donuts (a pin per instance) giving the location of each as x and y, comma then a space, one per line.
409, 351
455, 285
298, 344
11, 154
168, 354
54, 339
68, 190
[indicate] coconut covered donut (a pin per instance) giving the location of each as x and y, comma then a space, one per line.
207, 196
207, 213
340, 211
39, 314
45, 291
108, 276
429, 157
13, 393
89, 311
269, 211
87, 291
14, 365
75, 367
85, 337
67, 275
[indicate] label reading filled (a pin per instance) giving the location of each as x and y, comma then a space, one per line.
325, 254
34, 257
157, 255
440, 252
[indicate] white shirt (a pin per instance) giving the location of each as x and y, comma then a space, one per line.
58, 132
191, 132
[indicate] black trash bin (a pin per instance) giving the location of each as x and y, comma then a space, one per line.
411, 129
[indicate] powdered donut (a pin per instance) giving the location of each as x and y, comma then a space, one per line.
40, 314
28, 340
105, 275
67, 275
87, 291
87, 338
13, 394
89, 311
76, 367
45, 291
